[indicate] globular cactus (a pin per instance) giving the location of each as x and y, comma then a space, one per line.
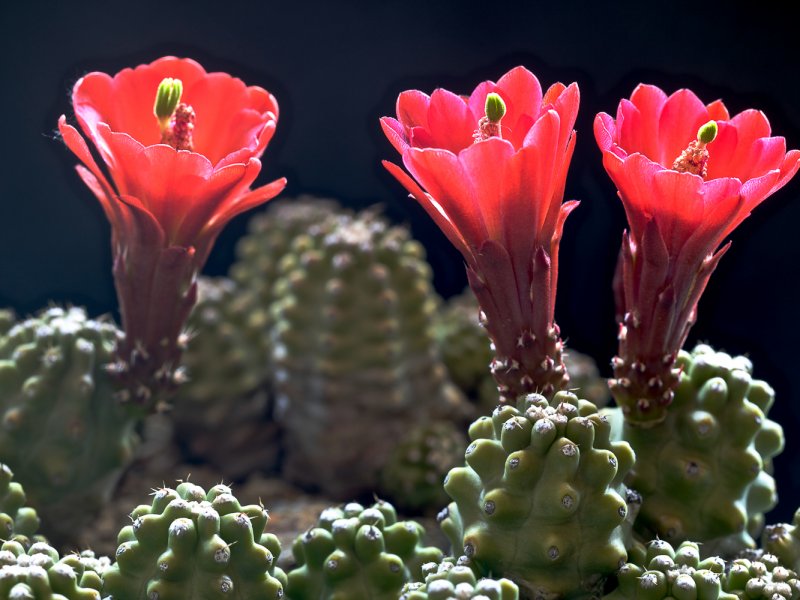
704, 472
18, 522
413, 475
541, 498
466, 351
7, 320
783, 540
63, 433
664, 572
40, 574
453, 580
356, 364
222, 414
358, 553
190, 543
762, 579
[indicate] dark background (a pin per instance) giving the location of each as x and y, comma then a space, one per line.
336, 67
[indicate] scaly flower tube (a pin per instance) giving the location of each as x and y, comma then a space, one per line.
490, 169
687, 174
175, 174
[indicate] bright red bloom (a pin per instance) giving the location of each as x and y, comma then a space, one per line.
499, 201
167, 206
678, 221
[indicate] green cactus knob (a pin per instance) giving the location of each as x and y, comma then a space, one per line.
762, 579
783, 540
453, 580
190, 543
540, 500
704, 472
64, 434
18, 521
40, 574
358, 553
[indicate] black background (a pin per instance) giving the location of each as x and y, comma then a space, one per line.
336, 67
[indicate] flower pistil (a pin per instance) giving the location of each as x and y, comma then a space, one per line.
695, 158
175, 118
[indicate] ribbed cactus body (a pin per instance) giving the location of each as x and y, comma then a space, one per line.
667, 573
190, 543
18, 521
358, 553
762, 579
222, 414
783, 540
541, 499
704, 472
63, 432
450, 580
40, 574
356, 365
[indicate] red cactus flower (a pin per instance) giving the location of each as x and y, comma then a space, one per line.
684, 191
490, 169
172, 180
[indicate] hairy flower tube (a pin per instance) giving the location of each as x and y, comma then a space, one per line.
180, 149
687, 174
490, 169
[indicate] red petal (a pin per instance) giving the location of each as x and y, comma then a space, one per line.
395, 132
650, 101
523, 95
677, 206
634, 179
681, 117
412, 108
604, 131
450, 121
717, 111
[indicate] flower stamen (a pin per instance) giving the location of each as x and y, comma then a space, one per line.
695, 158
489, 125
175, 118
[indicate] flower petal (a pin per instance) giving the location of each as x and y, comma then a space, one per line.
681, 117
450, 121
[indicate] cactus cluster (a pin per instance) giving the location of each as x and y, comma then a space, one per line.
541, 498
18, 522
358, 553
713, 452
64, 435
190, 543
783, 540
453, 579
356, 366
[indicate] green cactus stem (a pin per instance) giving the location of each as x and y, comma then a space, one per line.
190, 543
541, 499
18, 522
703, 473
358, 553
763, 579
453, 580
783, 540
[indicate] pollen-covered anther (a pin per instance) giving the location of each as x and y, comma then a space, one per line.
695, 158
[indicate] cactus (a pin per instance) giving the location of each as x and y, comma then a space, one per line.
64, 434
466, 351
664, 572
40, 574
356, 365
453, 580
358, 554
713, 454
17, 521
541, 499
222, 413
763, 579
193, 544
413, 475
783, 540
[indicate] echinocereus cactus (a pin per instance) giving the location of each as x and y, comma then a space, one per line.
665, 572
783, 540
64, 436
688, 174
356, 366
190, 543
39, 573
703, 473
490, 170
168, 188
541, 498
358, 553
222, 413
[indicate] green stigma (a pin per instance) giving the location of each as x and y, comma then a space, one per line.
707, 132
495, 107
167, 98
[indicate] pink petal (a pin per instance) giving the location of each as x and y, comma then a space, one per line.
604, 131
649, 101
450, 121
677, 206
681, 117
395, 133
412, 108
